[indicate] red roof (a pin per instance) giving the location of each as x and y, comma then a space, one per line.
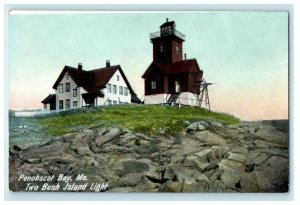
189, 65
92, 80
103, 75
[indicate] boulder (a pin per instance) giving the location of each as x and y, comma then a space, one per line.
231, 179
196, 126
194, 162
109, 136
171, 186
236, 157
210, 138
231, 166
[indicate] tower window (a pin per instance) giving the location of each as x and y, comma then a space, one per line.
153, 84
161, 48
177, 50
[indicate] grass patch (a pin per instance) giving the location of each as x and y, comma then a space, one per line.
140, 118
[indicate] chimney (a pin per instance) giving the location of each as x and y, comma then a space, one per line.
167, 20
107, 63
79, 66
185, 56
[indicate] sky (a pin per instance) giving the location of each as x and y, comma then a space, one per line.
244, 53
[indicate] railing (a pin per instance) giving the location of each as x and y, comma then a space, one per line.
167, 33
181, 101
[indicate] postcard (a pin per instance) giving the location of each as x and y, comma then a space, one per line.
148, 101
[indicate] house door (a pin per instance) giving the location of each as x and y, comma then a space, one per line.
177, 87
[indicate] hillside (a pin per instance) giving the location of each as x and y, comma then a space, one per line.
149, 119
151, 149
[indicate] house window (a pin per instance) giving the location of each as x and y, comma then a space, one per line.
114, 89
118, 77
67, 103
153, 84
161, 48
115, 102
109, 102
67, 87
61, 88
120, 90
109, 88
45, 106
75, 92
74, 103
126, 91
67, 76
61, 104
177, 50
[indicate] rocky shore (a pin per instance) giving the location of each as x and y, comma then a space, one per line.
206, 157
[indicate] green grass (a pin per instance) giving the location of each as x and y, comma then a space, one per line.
148, 118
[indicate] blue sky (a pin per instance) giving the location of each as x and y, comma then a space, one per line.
244, 53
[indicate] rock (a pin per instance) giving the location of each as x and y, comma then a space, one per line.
276, 170
33, 160
211, 158
216, 154
236, 157
171, 186
145, 185
216, 186
60, 159
239, 150
196, 126
261, 158
214, 174
80, 143
133, 166
201, 186
184, 175
177, 159
231, 179
127, 138
266, 145
231, 166
249, 183
103, 139
19, 147
202, 155
202, 177
129, 180
210, 138
193, 162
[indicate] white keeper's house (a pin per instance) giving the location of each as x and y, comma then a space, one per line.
76, 88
